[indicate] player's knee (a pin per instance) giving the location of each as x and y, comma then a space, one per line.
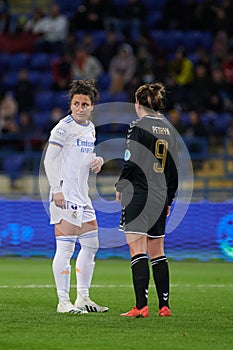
89, 240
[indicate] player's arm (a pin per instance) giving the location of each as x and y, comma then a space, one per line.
97, 161
172, 176
129, 165
53, 172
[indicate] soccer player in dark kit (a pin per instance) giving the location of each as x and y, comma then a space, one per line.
146, 188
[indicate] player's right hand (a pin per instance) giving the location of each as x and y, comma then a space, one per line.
59, 200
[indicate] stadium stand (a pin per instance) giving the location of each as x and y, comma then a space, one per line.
161, 40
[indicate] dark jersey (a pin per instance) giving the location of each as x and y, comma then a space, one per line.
151, 159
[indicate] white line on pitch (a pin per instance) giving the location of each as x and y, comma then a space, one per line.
118, 286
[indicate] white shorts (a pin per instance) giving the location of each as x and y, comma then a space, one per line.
74, 214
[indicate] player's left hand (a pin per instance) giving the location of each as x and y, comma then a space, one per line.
168, 210
96, 164
118, 196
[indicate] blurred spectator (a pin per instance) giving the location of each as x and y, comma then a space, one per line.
173, 100
35, 24
61, 72
175, 119
55, 115
199, 90
219, 99
9, 126
188, 19
145, 65
54, 31
90, 15
20, 24
5, 20
227, 68
219, 46
108, 49
205, 14
88, 42
122, 68
133, 15
8, 106
227, 5
181, 70
26, 124
85, 66
69, 44
222, 21
204, 58
24, 91
171, 14
4, 5
195, 126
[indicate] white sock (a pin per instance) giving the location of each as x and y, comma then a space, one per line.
85, 261
61, 265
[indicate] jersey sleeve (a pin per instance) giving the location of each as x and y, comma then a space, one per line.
57, 139
52, 167
130, 157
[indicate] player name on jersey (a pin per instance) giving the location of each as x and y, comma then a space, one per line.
160, 130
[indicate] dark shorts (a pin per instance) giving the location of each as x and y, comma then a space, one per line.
144, 216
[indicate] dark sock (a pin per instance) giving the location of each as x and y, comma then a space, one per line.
161, 279
141, 276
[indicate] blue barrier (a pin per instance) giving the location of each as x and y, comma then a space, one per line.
205, 233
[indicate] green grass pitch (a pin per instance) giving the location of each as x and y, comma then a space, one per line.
201, 301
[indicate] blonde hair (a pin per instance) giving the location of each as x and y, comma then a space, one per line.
151, 96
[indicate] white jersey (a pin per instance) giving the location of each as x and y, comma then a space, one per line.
78, 143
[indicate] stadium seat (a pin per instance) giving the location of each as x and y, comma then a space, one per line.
197, 147
120, 97
41, 119
45, 80
18, 61
10, 80
12, 165
34, 77
61, 100
159, 36
154, 5
44, 100
104, 81
68, 6
193, 39
152, 18
99, 37
105, 97
222, 123
40, 61
172, 40
4, 61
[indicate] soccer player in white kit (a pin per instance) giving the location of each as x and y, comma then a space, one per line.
68, 160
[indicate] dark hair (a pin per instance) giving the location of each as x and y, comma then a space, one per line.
83, 87
151, 96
